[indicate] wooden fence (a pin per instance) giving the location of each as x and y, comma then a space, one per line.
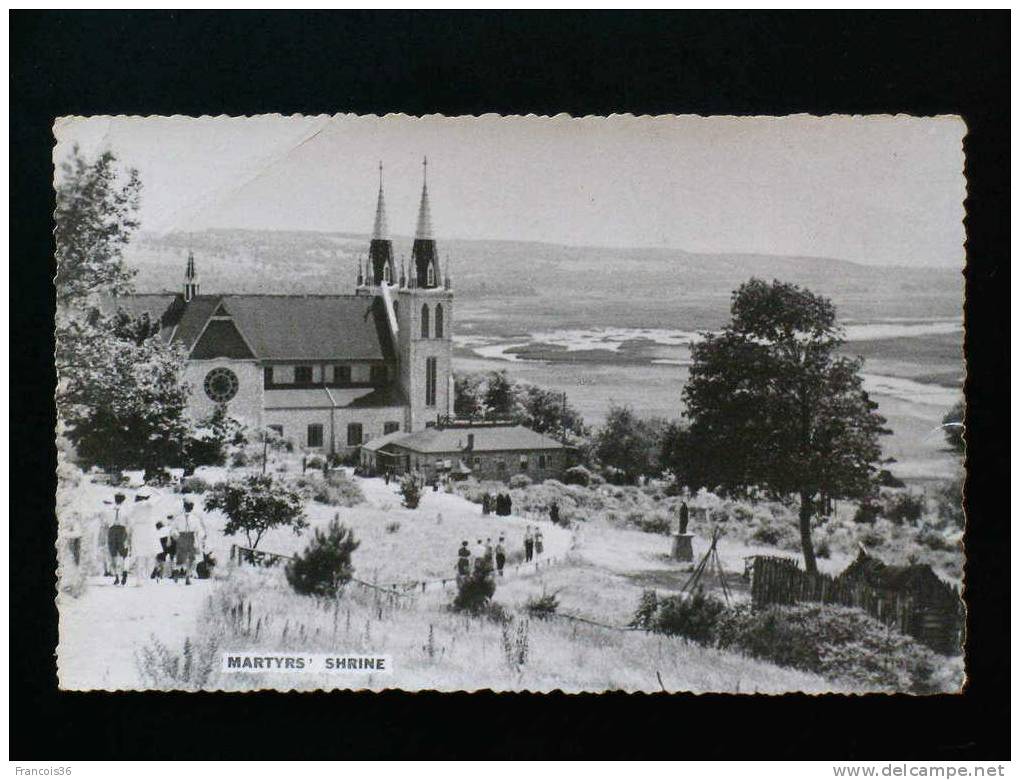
933, 615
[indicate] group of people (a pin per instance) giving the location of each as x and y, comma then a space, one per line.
500, 504
486, 558
132, 539
481, 559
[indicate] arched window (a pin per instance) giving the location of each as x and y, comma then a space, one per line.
424, 320
439, 320
431, 276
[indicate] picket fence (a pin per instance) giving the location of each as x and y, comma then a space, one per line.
932, 615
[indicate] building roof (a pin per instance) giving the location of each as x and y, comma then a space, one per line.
278, 327
381, 441
492, 438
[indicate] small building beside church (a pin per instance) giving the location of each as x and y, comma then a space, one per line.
484, 450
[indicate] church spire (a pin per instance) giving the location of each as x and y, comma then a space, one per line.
190, 278
380, 251
424, 257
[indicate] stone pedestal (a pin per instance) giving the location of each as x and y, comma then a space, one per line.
683, 550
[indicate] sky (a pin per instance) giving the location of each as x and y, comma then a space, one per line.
878, 190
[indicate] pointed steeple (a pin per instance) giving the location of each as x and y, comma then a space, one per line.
424, 257
380, 250
190, 278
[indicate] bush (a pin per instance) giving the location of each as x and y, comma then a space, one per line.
325, 566
255, 504
157, 477
839, 643
336, 489
519, 481
904, 508
949, 502
193, 485
887, 479
474, 592
410, 490
867, 512
652, 523
315, 462
695, 617
578, 475
542, 607
239, 459
392, 528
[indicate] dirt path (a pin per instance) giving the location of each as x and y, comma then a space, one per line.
101, 631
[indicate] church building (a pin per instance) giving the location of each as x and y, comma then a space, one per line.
328, 372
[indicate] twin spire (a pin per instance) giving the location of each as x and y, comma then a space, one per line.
424, 271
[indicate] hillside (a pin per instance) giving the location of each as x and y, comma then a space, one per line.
596, 285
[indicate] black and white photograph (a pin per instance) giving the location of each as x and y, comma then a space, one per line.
511, 403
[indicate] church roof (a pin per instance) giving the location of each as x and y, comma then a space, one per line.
277, 327
334, 398
491, 438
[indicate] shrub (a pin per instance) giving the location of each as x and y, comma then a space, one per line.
255, 504
410, 490
315, 462
193, 485
886, 478
392, 528
652, 523
578, 475
867, 512
336, 489
325, 565
840, 643
474, 592
519, 481
823, 549
542, 607
695, 617
648, 606
904, 508
933, 540
239, 459
190, 669
949, 502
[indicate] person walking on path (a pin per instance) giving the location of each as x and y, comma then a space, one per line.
508, 505
490, 555
189, 536
463, 562
117, 540
478, 553
165, 558
486, 505
500, 555
539, 546
685, 516
554, 513
144, 538
103, 542
529, 545
72, 533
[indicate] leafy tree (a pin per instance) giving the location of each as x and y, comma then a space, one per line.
953, 427
547, 411
94, 219
500, 395
123, 404
772, 407
628, 443
411, 487
325, 565
467, 396
256, 504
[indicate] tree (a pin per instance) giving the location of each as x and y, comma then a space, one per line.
953, 427
500, 395
770, 406
124, 403
94, 219
257, 504
467, 396
547, 411
325, 566
628, 443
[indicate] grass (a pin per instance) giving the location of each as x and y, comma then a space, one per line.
435, 649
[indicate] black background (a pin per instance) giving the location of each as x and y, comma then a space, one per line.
710, 63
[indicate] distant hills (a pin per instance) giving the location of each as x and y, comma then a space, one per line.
536, 277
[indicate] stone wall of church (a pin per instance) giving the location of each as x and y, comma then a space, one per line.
415, 350
246, 406
295, 422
